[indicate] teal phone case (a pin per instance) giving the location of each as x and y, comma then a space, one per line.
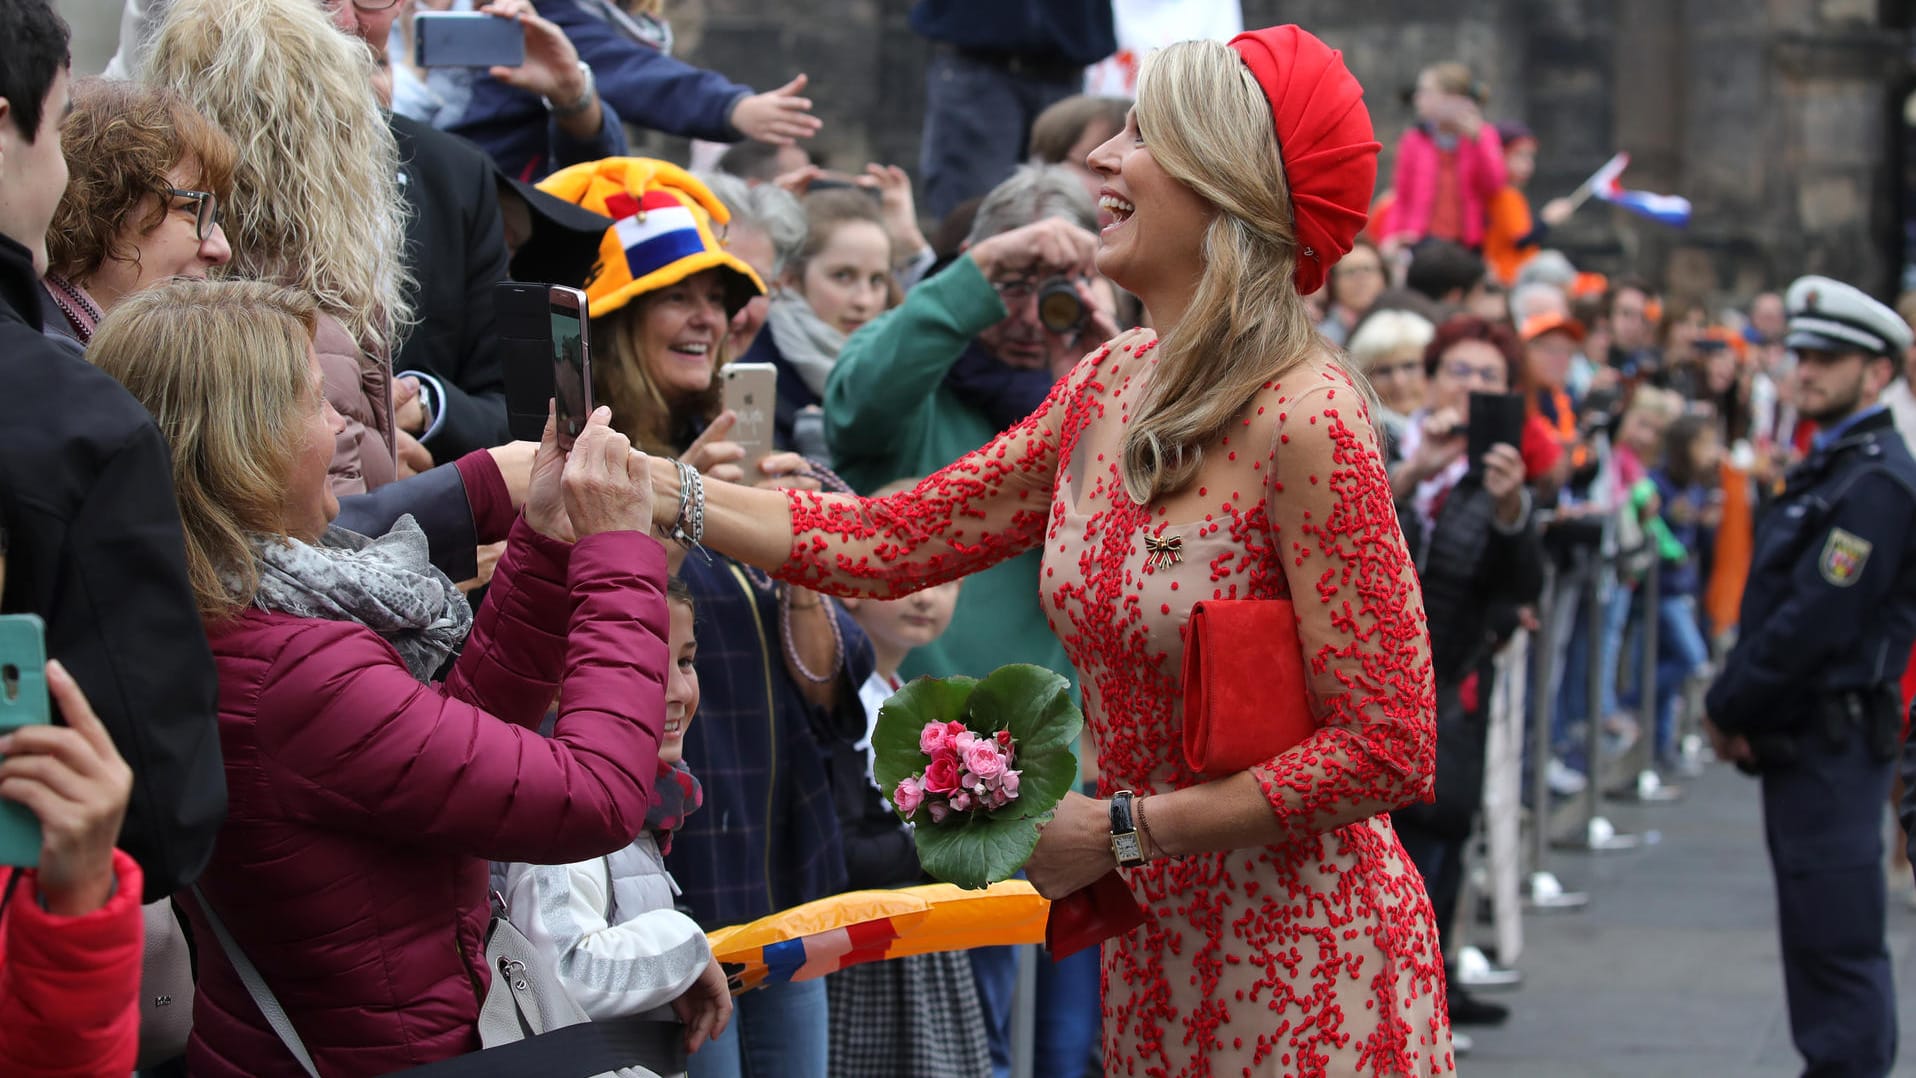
23, 701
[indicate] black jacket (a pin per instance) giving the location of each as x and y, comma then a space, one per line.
456, 250
1468, 568
94, 547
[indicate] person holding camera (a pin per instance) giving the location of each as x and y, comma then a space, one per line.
367, 797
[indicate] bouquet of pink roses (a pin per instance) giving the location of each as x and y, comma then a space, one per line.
978, 766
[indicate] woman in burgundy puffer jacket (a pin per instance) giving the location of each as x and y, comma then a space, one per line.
365, 801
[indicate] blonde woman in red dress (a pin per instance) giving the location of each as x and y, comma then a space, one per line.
1229, 456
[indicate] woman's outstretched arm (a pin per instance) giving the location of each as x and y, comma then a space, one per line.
988, 505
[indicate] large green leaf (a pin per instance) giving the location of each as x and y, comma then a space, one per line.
977, 853
1030, 701
1035, 705
902, 718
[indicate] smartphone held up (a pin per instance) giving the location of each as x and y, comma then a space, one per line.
545, 330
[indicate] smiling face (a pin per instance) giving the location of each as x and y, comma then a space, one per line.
847, 282
311, 504
171, 248
1154, 245
680, 327
681, 684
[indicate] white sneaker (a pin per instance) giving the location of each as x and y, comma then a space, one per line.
1563, 780
1476, 970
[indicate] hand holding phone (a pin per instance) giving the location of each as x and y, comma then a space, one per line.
467, 39
1495, 419
571, 362
70, 780
751, 394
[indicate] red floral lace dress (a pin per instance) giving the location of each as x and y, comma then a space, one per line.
1315, 955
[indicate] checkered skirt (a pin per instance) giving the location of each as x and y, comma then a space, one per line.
916, 1016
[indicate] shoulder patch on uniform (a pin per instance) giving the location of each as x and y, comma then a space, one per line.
1844, 555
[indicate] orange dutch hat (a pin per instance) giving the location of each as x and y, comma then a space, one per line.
662, 230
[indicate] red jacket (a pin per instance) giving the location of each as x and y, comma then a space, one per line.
70, 986
365, 806
1480, 175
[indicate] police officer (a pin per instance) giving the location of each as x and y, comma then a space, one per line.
1808, 700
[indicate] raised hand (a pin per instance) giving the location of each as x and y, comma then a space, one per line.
779, 117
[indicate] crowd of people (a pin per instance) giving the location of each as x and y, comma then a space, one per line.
353, 686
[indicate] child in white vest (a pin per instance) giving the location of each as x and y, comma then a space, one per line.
608, 924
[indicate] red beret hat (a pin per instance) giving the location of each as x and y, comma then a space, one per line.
1324, 138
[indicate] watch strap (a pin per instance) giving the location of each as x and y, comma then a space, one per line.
1126, 846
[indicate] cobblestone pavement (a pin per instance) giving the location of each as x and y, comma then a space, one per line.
1673, 969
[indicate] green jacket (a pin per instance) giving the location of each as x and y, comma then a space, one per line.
888, 416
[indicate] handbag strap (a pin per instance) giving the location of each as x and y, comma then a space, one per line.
263, 997
578, 1051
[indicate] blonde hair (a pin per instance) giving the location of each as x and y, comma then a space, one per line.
225, 367
1209, 126
316, 203
1389, 333
620, 379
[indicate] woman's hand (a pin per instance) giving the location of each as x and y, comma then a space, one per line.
75, 782
545, 497
1442, 443
487, 557
779, 117
409, 408
514, 461
705, 1007
607, 484
1503, 479
414, 459
713, 456
1074, 849
896, 206
786, 471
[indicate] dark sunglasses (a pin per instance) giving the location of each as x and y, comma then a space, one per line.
206, 211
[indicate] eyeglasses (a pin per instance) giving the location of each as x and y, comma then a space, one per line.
1464, 372
206, 212
1356, 269
368, 6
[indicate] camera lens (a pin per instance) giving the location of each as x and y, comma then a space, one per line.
1059, 308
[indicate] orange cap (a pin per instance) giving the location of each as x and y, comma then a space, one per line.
1539, 324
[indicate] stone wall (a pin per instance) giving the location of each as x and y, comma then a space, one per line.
1777, 118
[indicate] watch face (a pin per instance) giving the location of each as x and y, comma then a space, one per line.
1128, 849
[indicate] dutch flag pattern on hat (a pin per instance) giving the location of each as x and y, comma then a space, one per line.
656, 230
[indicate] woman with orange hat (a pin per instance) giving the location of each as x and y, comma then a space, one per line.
772, 658
1228, 456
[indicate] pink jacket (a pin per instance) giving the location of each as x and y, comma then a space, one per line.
1480, 175
364, 806
70, 986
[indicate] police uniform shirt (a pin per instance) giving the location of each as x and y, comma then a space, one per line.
1830, 604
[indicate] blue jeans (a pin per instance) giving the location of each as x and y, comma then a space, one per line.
778, 1031
1682, 653
1070, 1010
977, 121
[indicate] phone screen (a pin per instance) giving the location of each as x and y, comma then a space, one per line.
1495, 419
467, 39
571, 381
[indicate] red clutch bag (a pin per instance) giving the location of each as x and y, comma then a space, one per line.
1245, 697
1088, 917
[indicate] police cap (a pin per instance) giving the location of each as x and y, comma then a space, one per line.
1830, 316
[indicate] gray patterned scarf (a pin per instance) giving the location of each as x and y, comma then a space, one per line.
387, 584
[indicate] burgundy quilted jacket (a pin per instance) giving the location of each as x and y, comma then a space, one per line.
365, 805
